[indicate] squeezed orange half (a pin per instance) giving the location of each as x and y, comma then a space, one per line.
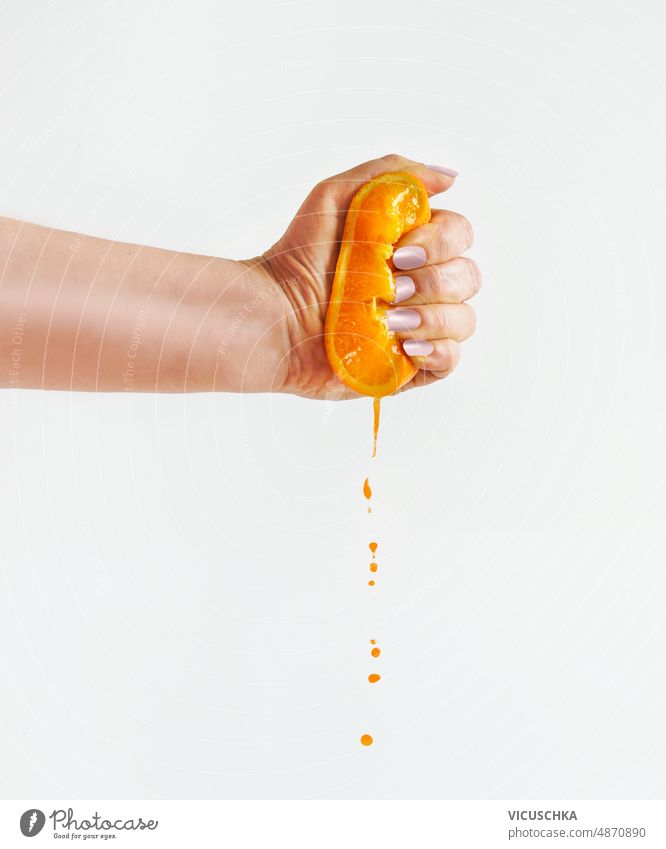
361, 349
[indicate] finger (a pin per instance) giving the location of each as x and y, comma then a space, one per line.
434, 321
446, 236
436, 179
439, 356
450, 282
423, 378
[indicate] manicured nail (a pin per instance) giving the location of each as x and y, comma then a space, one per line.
411, 256
417, 348
404, 288
448, 172
401, 320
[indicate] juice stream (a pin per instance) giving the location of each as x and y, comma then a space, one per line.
376, 403
373, 678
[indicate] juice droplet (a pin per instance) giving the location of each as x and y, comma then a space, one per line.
367, 492
373, 567
374, 678
366, 740
373, 547
375, 424
375, 652
373, 642
371, 583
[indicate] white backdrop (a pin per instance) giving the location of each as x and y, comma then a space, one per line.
184, 610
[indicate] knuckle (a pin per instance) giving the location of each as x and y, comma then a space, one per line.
444, 243
441, 321
455, 354
453, 280
468, 230
320, 190
446, 355
437, 282
474, 273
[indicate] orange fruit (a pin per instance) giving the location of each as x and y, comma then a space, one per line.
362, 351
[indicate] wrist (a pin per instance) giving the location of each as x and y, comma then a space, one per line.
211, 324
249, 325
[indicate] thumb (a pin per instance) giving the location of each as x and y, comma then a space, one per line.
344, 186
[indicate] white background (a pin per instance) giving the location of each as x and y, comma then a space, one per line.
183, 608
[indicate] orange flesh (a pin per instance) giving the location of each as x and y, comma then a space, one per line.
362, 351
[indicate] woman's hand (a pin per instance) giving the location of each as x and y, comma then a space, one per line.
82, 313
433, 281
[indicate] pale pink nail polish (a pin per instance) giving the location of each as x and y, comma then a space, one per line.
404, 288
417, 348
403, 320
448, 172
411, 256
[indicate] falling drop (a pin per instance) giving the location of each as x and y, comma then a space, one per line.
367, 492
373, 547
375, 652
366, 740
371, 583
373, 567
374, 678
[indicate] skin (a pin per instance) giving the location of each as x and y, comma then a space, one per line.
82, 313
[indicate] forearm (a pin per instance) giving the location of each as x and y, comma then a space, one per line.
82, 313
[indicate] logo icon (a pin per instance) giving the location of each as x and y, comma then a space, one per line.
32, 822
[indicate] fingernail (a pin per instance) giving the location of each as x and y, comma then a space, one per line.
448, 172
414, 348
411, 256
402, 320
404, 288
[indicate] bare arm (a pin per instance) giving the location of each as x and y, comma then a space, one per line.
78, 312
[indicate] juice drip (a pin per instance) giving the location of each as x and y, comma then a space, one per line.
376, 402
373, 565
367, 492
366, 739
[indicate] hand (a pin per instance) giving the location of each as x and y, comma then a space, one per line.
97, 315
435, 281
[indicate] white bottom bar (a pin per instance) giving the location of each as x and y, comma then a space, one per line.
336, 824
